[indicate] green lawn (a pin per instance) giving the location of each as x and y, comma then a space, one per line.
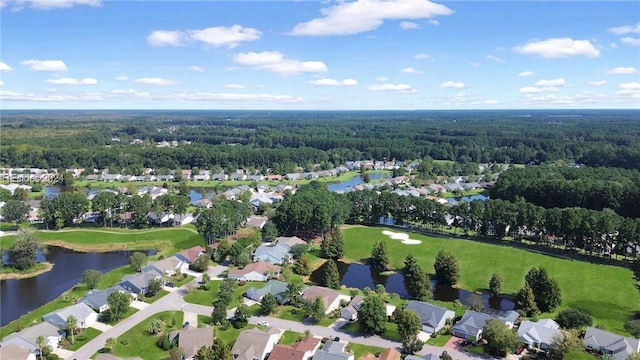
440, 340
391, 333
87, 335
584, 285
358, 349
207, 297
229, 336
290, 337
167, 241
578, 355
129, 312
475, 349
156, 297
138, 342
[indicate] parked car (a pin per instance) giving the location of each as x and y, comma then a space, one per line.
264, 323
170, 284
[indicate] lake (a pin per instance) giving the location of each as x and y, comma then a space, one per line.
362, 276
19, 296
354, 181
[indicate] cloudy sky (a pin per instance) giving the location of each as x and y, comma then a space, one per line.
351, 54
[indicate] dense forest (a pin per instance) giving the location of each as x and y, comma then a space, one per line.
283, 140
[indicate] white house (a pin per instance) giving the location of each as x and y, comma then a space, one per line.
84, 315
538, 335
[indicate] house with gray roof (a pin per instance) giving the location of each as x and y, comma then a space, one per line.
191, 339
433, 317
350, 312
97, 299
273, 287
255, 344
333, 350
618, 346
272, 254
169, 266
138, 283
470, 326
538, 335
84, 315
27, 338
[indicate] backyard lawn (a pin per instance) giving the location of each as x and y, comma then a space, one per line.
139, 342
606, 292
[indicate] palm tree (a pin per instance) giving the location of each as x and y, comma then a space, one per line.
40, 342
72, 327
110, 344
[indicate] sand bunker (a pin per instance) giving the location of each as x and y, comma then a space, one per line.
404, 238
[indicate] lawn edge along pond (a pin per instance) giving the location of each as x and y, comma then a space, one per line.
172, 240
606, 292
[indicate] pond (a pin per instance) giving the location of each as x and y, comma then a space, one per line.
19, 296
361, 276
354, 181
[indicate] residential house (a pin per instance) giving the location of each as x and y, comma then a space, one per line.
255, 344
169, 266
257, 271
433, 317
274, 177
84, 315
538, 335
508, 317
293, 176
470, 326
257, 177
16, 352
257, 222
273, 254
186, 174
137, 284
111, 177
205, 203
238, 176
330, 298
219, 177
97, 299
191, 254
181, 219
333, 350
301, 350
273, 287
289, 242
262, 188
191, 339
618, 346
159, 218
27, 338
164, 178
201, 177
386, 354
429, 356
350, 312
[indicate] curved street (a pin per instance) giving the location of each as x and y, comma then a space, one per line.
174, 301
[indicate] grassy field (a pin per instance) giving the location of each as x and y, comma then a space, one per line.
87, 335
207, 297
358, 349
605, 292
139, 342
440, 340
391, 333
290, 337
167, 241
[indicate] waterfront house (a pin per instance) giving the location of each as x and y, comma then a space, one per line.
433, 317
330, 298
538, 335
84, 315
257, 271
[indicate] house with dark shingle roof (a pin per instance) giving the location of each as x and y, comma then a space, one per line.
433, 317
97, 299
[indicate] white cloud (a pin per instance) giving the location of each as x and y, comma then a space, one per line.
491, 102
597, 83
552, 83
452, 85
1, 83
461, 96
558, 48
495, 58
530, 90
613, 45
160, 38
359, 16
622, 70
196, 68
72, 81
410, 70
45, 65
409, 25
234, 86
433, 22
17, 5
5, 67
155, 81
333, 82
474, 64
15, 96
122, 78
422, 56
382, 78
276, 62
401, 88
235, 97
216, 36
527, 73
630, 41
630, 89
627, 29
225, 36
630, 86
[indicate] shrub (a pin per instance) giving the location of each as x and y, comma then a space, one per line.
124, 342
633, 327
573, 319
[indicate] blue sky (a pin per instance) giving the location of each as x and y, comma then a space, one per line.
362, 54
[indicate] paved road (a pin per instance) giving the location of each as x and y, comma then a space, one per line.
174, 301
171, 301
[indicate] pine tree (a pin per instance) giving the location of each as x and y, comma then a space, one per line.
331, 277
379, 256
447, 268
495, 284
525, 301
416, 281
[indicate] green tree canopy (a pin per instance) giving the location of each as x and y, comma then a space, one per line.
409, 326
137, 260
501, 340
22, 254
379, 255
15, 211
572, 318
416, 280
495, 284
372, 315
268, 304
118, 305
447, 268
331, 276
91, 278
526, 301
545, 290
